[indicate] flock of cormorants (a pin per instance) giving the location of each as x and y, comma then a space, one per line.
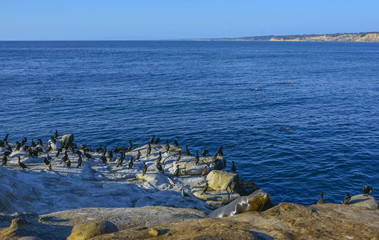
36, 149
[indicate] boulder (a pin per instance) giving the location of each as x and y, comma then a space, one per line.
363, 201
87, 230
220, 181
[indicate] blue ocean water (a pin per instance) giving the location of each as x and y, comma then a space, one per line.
297, 118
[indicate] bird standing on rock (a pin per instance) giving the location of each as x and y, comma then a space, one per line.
197, 158
68, 163
176, 142
159, 157
179, 156
234, 169
24, 141
367, 190
6, 138
18, 146
121, 160
176, 173
138, 155
220, 152
321, 201
56, 134
214, 158
204, 153
103, 159
152, 139
87, 155
204, 172
144, 169
80, 160
33, 143
131, 163
58, 152
187, 151
21, 164
4, 161
65, 157
148, 150
159, 167
46, 161
167, 146
130, 146
346, 199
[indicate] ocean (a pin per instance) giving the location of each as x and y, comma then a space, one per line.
297, 118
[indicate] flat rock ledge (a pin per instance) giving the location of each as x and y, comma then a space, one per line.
284, 221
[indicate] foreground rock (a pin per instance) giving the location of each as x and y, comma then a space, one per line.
285, 221
57, 177
59, 225
364, 201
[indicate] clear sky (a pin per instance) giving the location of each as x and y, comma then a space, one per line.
181, 19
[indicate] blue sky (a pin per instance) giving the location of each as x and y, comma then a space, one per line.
180, 19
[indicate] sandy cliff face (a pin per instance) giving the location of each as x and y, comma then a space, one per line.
348, 37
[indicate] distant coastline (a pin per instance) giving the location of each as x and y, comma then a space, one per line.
336, 37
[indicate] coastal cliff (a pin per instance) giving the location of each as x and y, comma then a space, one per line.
337, 37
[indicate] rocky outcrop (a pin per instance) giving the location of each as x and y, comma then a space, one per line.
364, 201
59, 225
285, 221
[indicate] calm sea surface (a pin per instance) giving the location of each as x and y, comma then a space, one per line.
297, 118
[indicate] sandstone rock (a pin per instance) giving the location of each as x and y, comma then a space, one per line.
326, 221
285, 221
219, 180
124, 217
87, 230
153, 232
363, 201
